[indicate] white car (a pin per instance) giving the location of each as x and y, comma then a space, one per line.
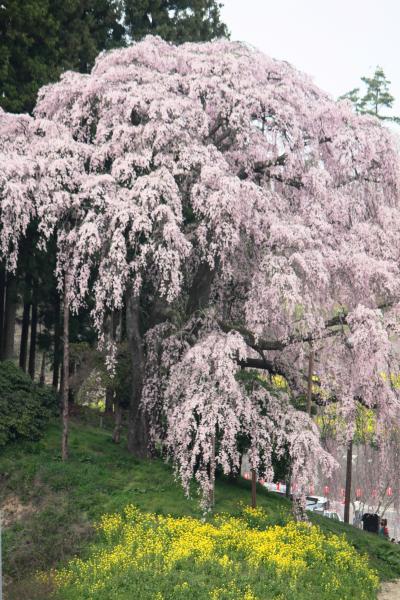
279, 488
332, 514
317, 503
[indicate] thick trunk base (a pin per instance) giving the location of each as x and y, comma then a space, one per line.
138, 431
116, 437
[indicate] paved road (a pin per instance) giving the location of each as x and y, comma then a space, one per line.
390, 591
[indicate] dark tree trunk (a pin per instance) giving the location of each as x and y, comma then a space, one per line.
200, 291
116, 325
349, 468
109, 407
138, 435
9, 316
57, 343
116, 437
32, 347
65, 381
42, 377
111, 333
2, 301
23, 349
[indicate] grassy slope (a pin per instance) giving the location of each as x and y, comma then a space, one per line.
63, 500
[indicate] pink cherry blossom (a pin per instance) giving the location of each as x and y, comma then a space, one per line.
227, 193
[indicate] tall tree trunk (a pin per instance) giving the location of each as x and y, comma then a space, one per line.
116, 437
32, 347
310, 380
138, 435
2, 301
61, 383
111, 334
42, 377
349, 468
57, 343
9, 316
65, 381
298, 510
23, 349
212, 473
72, 373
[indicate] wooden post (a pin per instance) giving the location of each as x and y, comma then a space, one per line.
65, 383
349, 468
253, 488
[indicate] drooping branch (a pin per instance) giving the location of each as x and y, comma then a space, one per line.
333, 326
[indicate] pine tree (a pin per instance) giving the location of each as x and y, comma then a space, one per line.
376, 99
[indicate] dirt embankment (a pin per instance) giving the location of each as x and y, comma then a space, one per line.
390, 591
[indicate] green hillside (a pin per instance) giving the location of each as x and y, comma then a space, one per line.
51, 507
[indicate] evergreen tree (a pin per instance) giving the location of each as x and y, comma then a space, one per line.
175, 20
28, 38
377, 96
39, 39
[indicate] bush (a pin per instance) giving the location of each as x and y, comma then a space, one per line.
145, 556
25, 407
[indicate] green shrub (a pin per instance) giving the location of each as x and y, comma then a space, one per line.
25, 407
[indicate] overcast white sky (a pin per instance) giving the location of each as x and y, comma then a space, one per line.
334, 41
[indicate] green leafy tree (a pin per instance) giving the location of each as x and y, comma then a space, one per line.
377, 96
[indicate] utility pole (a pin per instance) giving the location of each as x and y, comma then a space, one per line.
253, 489
349, 467
310, 380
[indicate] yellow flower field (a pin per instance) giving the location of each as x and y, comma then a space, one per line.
142, 555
